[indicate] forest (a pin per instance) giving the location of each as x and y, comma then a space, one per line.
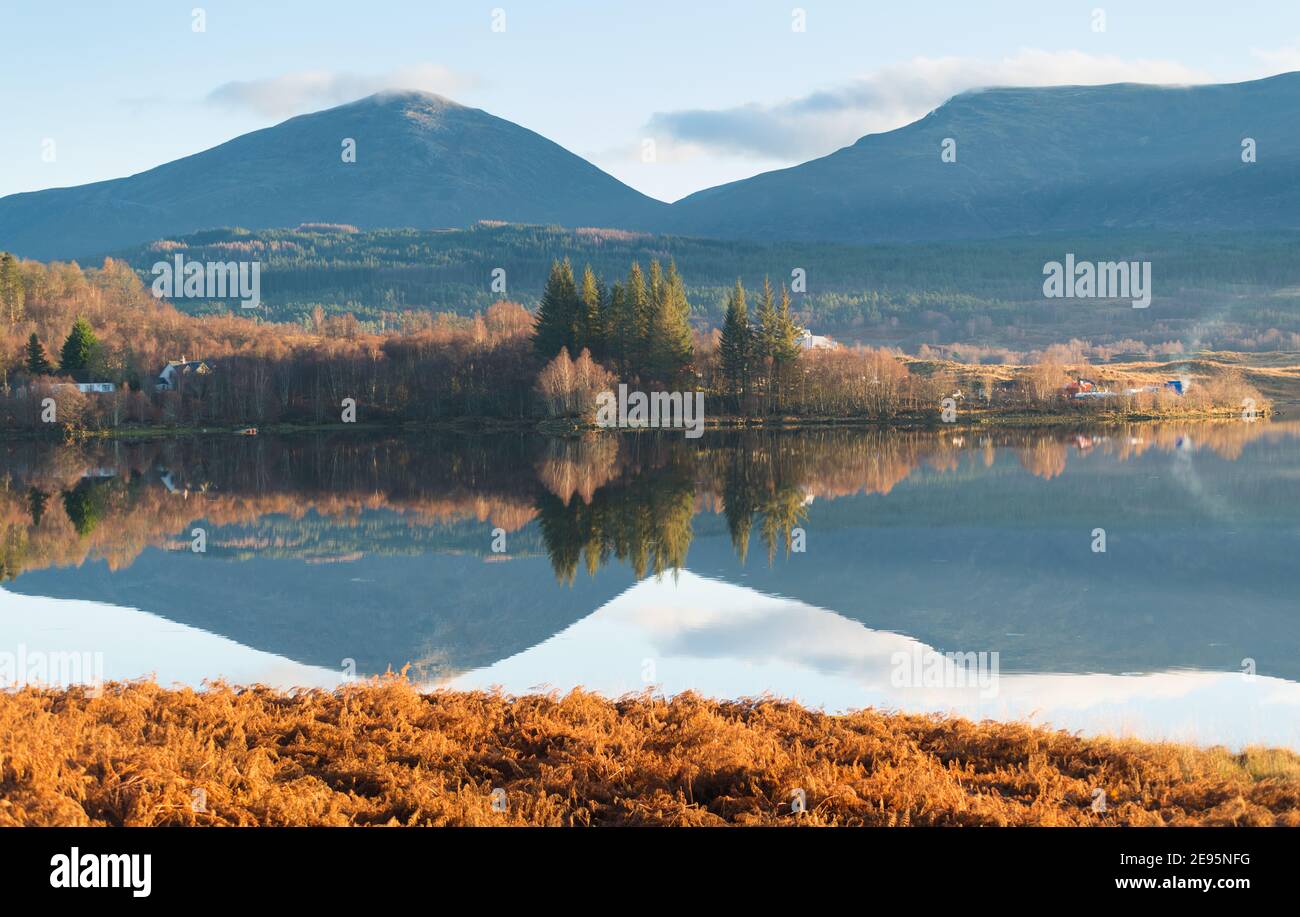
62, 324
1231, 290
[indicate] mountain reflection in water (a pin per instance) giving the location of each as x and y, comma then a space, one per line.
649, 559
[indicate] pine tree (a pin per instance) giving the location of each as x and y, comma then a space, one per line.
765, 323
593, 331
655, 284
620, 328
557, 313
766, 335
38, 364
637, 308
737, 343
672, 347
785, 346
80, 351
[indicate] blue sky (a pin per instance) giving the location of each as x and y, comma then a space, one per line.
724, 92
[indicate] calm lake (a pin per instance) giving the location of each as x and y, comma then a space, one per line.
1138, 581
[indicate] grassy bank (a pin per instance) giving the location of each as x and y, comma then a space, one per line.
383, 754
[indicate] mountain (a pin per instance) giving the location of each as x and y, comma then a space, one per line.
380, 610
421, 161
1093, 159
1065, 158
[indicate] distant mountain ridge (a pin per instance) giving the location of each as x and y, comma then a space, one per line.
1028, 161
421, 161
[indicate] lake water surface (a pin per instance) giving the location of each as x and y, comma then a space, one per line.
935, 571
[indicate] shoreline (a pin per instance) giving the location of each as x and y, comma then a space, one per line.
382, 753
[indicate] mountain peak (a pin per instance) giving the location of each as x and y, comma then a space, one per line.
1027, 160
1019, 161
404, 97
404, 158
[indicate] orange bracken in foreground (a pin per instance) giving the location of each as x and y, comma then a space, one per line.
384, 754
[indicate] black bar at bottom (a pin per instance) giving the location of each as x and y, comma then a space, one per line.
334, 866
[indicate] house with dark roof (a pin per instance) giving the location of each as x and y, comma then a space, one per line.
171, 376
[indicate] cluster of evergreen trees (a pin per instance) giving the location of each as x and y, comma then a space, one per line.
78, 358
757, 355
640, 327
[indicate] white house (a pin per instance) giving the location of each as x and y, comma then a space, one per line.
87, 388
809, 341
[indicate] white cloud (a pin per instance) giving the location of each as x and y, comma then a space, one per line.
1278, 60
312, 90
816, 124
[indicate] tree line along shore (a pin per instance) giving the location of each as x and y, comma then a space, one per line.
92, 351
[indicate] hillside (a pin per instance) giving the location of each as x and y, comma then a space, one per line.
1062, 158
421, 161
1234, 290
1125, 157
